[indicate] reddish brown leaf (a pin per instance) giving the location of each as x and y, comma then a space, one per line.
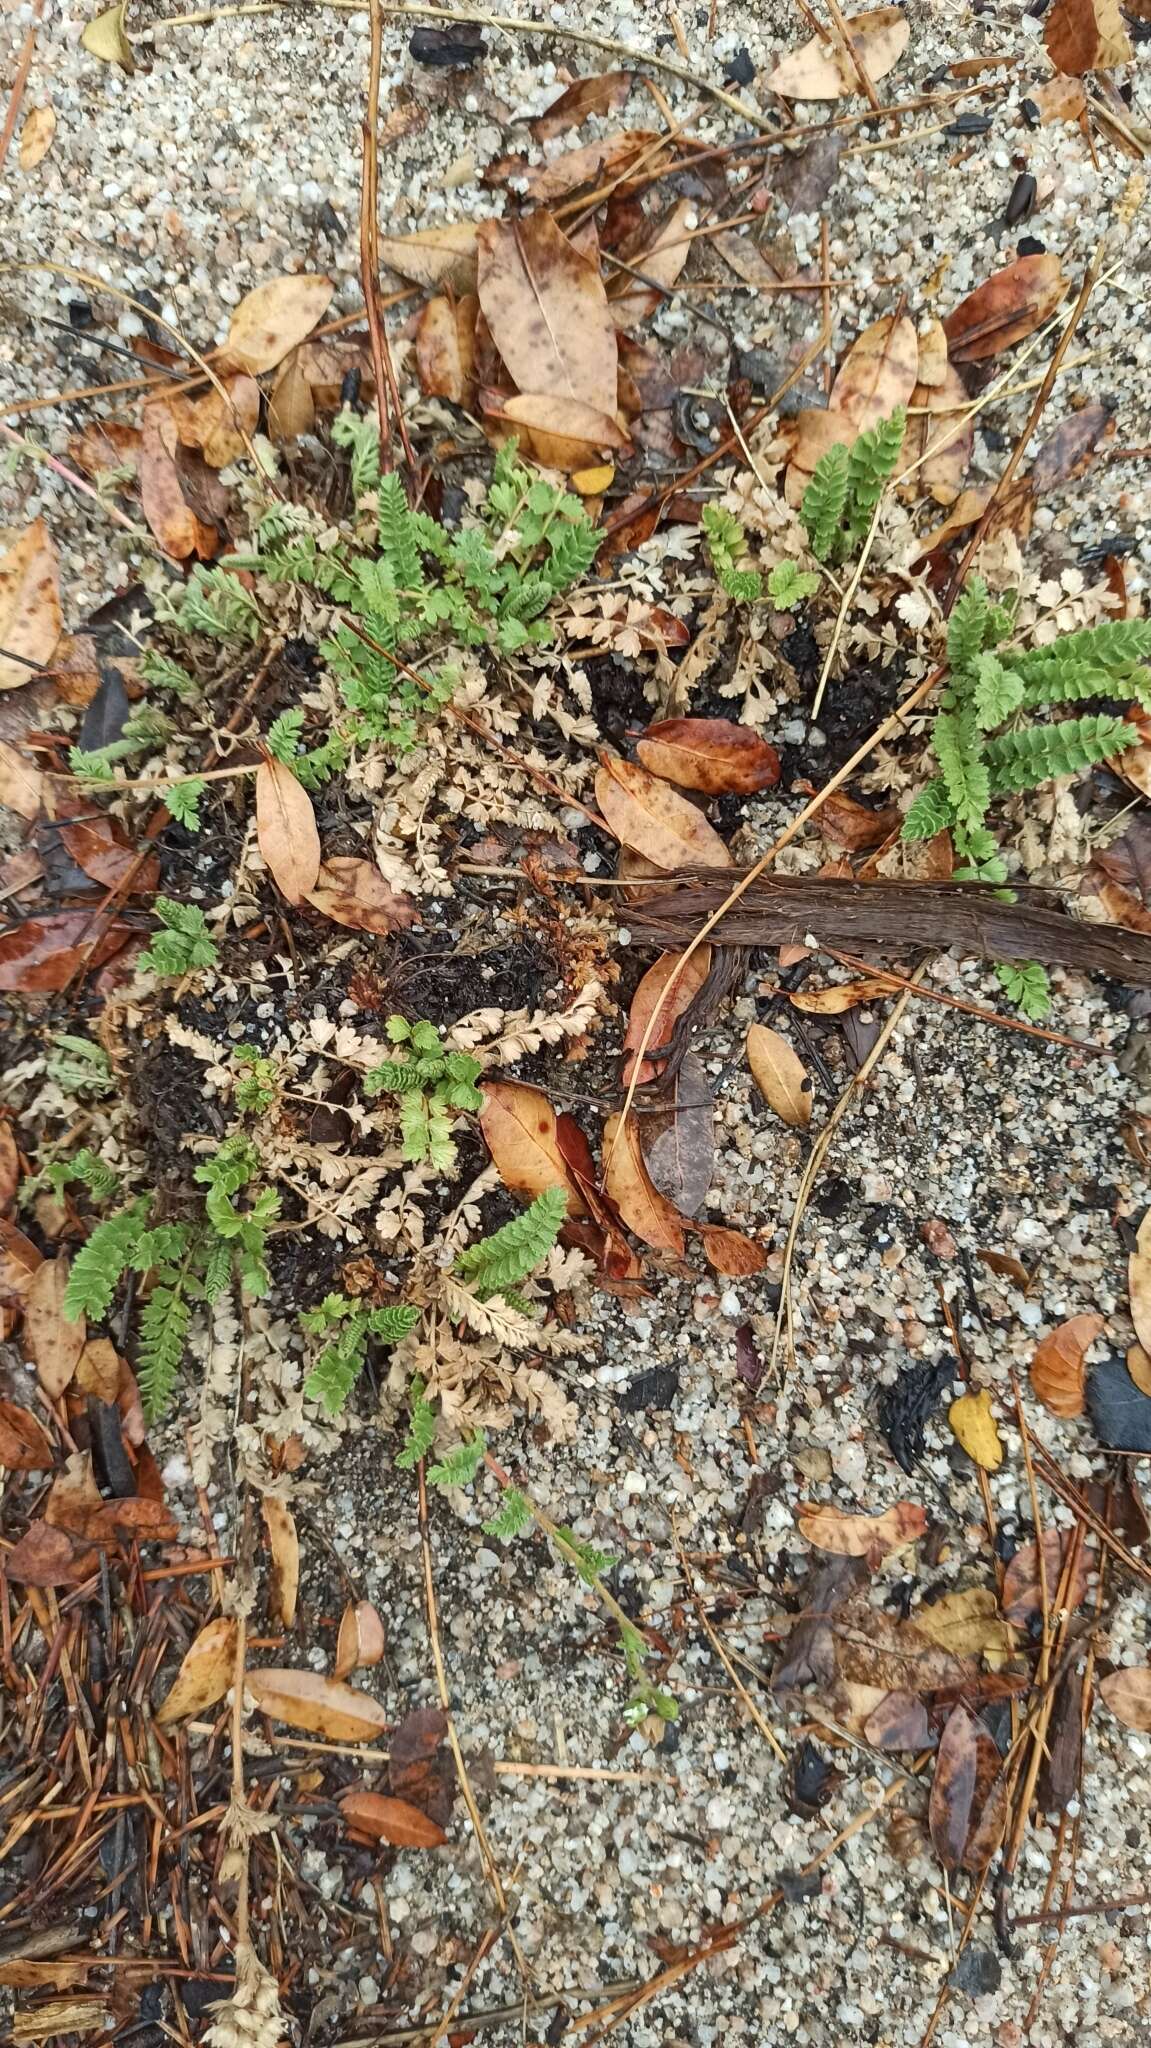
591, 163
421, 1769
729, 1251
98, 845
205, 1675
1022, 1592
869, 1536
1006, 1267
879, 371
323, 1706
1128, 1694
603, 94
105, 444
854, 826
30, 617
390, 1820
709, 754
353, 892
628, 1184
1057, 1368
52, 1343
24, 1446
968, 1806
1086, 35
40, 956
445, 350
19, 1260
519, 1127
9, 1165
177, 528
286, 830
653, 997
547, 310
654, 819
1009, 307
48, 1557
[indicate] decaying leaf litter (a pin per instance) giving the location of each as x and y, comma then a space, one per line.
986, 1212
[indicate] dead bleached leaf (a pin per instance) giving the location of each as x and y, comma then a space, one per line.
823, 70
30, 616
434, 257
878, 373
284, 1544
652, 818
713, 755
353, 892
547, 310
286, 830
1057, 1368
1006, 309
106, 38
1086, 35
780, 1075
968, 1623
974, 1426
519, 1127
869, 1536
322, 1706
629, 1185
36, 136
667, 998
273, 319
390, 1820
1128, 1694
360, 1642
205, 1674
21, 782
52, 1343
844, 996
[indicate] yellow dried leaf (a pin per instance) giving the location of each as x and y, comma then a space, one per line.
974, 1427
36, 136
780, 1075
205, 1674
107, 38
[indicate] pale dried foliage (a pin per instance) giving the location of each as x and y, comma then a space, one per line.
479, 1384
253, 2017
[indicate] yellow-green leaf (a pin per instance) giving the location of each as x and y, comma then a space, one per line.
107, 38
975, 1427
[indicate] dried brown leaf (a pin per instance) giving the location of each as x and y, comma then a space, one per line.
604, 93
547, 310
869, 1536
1006, 309
1057, 1368
678, 1141
1086, 35
563, 433
435, 257
629, 1185
52, 1343
878, 373
284, 1544
178, 529
519, 1127
713, 755
445, 350
21, 782
844, 996
780, 1075
360, 1642
24, 1446
222, 422
659, 255
652, 818
205, 1674
391, 1820
1128, 1694
823, 70
353, 892
1022, 1592
323, 1706
286, 830
291, 404
272, 319
729, 1251
30, 616
47, 1556
651, 998
40, 956
36, 136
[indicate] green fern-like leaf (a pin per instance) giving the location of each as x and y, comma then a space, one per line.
590, 1563
80, 1066
360, 434
870, 462
1069, 679
959, 752
573, 548
825, 502
164, 1324
98, 1265
788, 585
284, 735
182, 802
932, 811
967, 629
462, 1462
726, 544
337, 1368
421, 1429
513, 1518
1025, 984
996, 693
1023, 760
393, 1322
1116, 645
398, 539
510, 1254
182, 944
165, 674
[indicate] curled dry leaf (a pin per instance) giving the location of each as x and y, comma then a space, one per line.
45, 1556
51, 1342
106, 37
603, 94
284, 1544
629, 1185
40, 956
713, 755
30, 616
654, 819
1139, 1282
869, 1536
273, 319
547, 310
286, 830
1006, 309
100, 847
1023, 1589
823, 70
969, 1624
323, 1706
729, 1251
222, 422
780, 1075
846, 995
435, 257
878, 373
968, 1807
24, 1446
177, 528
939, 438
974, 1427
204, 1676
593, 163
389, 1820
519, 1127
1128, 1694
360, 1643
446, 350
21, 782
36, 136
353, 892
291, 403
1057, 1368
666, 998
1086, 35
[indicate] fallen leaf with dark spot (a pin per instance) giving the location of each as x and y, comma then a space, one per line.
421, 1768
1086, 35
1068, 451
353, 892
1006, 309
1120, 1412
1058, 1365
967, 1811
